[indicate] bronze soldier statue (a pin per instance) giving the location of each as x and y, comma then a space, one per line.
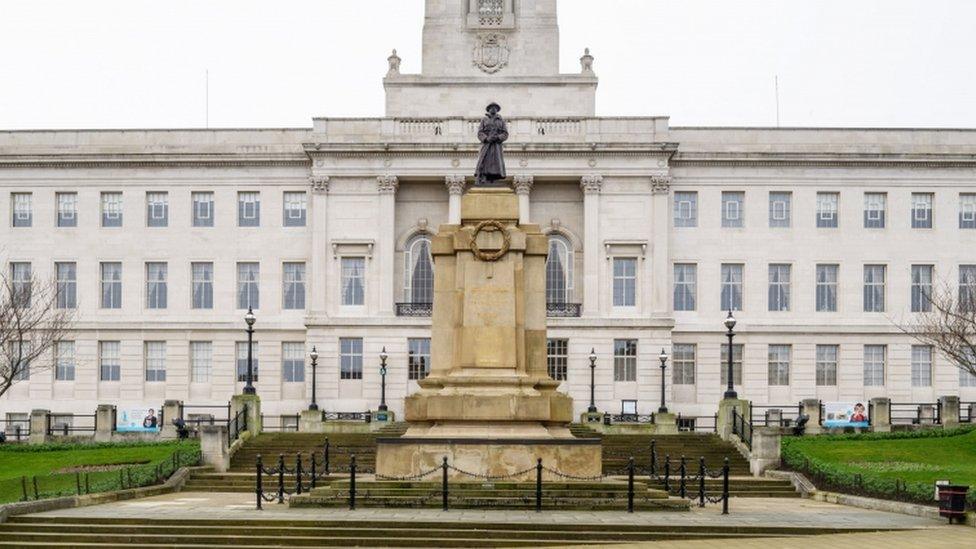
491, 162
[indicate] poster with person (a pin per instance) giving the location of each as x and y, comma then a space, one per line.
137, 420
845, 414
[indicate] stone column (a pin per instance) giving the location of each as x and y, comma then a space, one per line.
811, 409
455, 189
319, 252
171, 411
591, 185
38, 426
214, 447
386, 186
880, 415
523, 188
660, 302
950, 411
765, 452
104, 422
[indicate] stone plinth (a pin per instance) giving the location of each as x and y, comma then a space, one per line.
880, 415
104, 422
171, 411
811, 408
725, 407
253, 404
950, 411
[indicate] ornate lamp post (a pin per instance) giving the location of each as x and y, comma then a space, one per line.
592, 408
730, 324
383, 357
314, 355
250, 319
663, 357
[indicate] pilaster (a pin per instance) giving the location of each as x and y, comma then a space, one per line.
455, 189
591, 185
387, 186
523, 188
660, 303
318, 215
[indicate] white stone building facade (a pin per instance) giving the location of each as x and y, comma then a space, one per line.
161, 239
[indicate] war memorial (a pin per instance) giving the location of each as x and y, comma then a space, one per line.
490, 318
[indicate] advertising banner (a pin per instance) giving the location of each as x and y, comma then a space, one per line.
136, 420
845, 414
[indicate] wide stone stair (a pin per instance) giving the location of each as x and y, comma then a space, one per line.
243, 533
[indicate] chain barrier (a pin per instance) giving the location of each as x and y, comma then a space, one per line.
685, 479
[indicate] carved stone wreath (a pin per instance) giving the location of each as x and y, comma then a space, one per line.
491, 226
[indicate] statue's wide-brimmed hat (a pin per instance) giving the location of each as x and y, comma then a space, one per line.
493, 104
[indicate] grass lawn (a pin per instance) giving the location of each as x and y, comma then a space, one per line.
52, 464
875, 462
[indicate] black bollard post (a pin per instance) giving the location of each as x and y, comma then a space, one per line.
352, 483
35, 488
444, 493
630, 485
725, 487
683, 486
281, 478
667, 474
87, 485
298, 473
23, 487
78, 482
325, 456
653, 459
702, 471
538, 486
259, 483
312, 483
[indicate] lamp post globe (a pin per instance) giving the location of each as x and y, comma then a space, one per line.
592, 408
730, 390
663, 357
250, 319
383, 357
314, 355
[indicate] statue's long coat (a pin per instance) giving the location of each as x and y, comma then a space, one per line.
491, 162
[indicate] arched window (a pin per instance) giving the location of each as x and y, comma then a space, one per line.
418, 271
559, 270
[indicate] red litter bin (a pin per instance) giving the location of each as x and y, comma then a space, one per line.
952, 502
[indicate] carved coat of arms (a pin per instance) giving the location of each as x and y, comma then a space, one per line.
492, 52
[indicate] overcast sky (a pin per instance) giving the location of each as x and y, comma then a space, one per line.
141, 63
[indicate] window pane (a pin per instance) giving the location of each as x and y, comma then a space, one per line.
874, 365
22, 210
156, 293
685, 209
111, 285
827, 217
201, 361
112, 209
557, 358
203, 209
21, 282
967, 288
779, 287
110, 367
780, 209
353, 281
559, 270
157, 209
293, 280
419, 271
350, 358
874, 288
248, 296
827, 365
65, 356
624, 282
874, 210
293, 362
779, 365
967, 211
625, 360
733, 204
295, 207
731, 287
921, 288
418, 359
922, 210
67, 275
202, 285
736, 364
685, 282
248, 209
155, 361
827, 288
683, 362
921, 366
67, 209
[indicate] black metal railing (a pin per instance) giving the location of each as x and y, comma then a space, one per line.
563, 310
967, 412
316, 471
15, 430
677, 481
766, 415
698, 424
237, 425
742, 427
414, 309
610, 419
69, 424
282, 423
366, 417
206, 414
916, 413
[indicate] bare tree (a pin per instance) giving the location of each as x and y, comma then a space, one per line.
949, 325
31, 325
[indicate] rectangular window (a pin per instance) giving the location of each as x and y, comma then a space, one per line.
779, 287
966, 378
827, 365
156, 291
685, 209
921, 366
64, 352
683, 364
921, 288
22, 209
67, 209
293, 286
20, 367
624, 282
967, 210
109, 364
625, 360
157, 209
296, 205
353, 281
418, 359
248, 292
736, 364
875, 205
201, 361
111, 285
155, 361
922, 210
67, 277
685, 283
241, 352
293, 362
827, 288
827, 217
202, 285
248, 209
967, 288
731, 287
779, 365
22, 282
350, 358
733, 209
874, 288
874, 365
557, 358
203, 209
780, 209
112, 209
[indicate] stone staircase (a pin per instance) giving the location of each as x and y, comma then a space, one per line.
242, 533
